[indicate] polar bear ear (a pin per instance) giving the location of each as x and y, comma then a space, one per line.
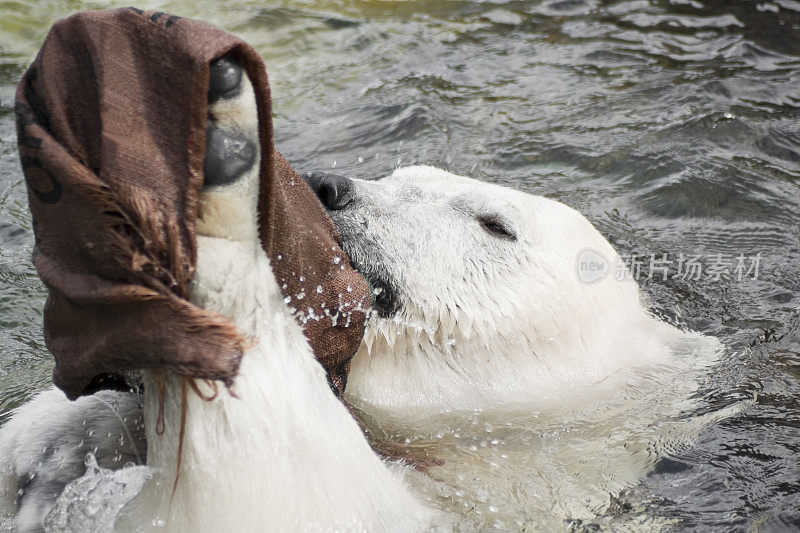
498, 226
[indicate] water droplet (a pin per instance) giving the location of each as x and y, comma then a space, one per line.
337, 260
287, 299
319, 289
361, 159
301, 295
302, 278
349, 288
280, 257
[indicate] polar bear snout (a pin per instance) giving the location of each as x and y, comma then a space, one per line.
335, 192
228, 156
224, 80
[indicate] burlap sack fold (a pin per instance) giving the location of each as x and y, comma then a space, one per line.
111, 119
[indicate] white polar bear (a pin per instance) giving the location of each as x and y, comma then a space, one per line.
480, 299
283, 454
481, 309
491, 335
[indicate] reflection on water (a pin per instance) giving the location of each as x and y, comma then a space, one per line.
673, 125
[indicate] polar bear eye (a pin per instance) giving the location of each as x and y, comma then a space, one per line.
497, 227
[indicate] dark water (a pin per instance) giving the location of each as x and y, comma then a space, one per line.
674, 126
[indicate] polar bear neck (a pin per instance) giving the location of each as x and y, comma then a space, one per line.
285, 452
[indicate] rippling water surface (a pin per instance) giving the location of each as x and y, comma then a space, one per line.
674, 126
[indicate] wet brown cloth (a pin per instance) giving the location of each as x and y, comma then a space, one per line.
111, 119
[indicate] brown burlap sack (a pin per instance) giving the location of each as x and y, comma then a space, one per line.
111, 118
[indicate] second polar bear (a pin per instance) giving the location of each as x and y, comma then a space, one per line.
480, 295
511, 350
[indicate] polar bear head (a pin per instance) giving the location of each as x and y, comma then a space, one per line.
478, 294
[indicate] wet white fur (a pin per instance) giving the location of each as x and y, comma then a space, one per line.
285, 455
486, 321
541, 394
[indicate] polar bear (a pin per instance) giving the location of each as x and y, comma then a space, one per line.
481, 306
480, 297
278, 451
502, 317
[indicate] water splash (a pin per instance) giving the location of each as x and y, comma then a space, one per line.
93, 502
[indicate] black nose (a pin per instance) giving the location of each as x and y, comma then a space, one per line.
224, 79
335, 192
228, 156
